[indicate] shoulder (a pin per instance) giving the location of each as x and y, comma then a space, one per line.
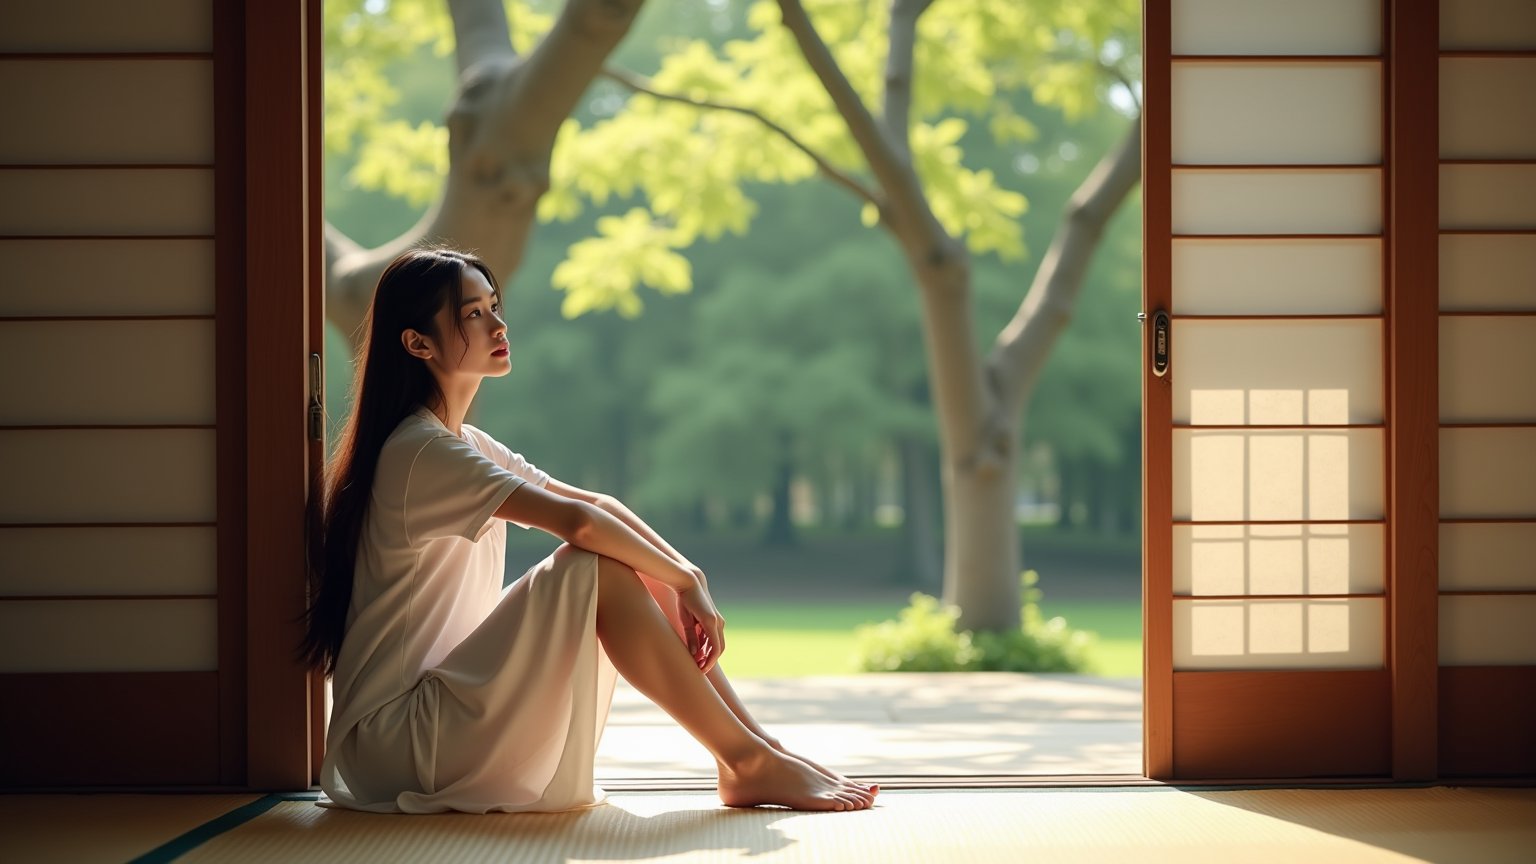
410, 437
482, 439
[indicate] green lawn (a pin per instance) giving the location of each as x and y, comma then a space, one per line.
787, 640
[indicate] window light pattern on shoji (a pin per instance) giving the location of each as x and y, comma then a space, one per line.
1277, 341
1487, 332
108, 552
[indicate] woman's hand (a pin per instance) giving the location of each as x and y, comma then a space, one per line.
703, 626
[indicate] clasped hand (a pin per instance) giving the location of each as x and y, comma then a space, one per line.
703, 626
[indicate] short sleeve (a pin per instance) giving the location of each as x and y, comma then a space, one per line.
453, 490
507, 459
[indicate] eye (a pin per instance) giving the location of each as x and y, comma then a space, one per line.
473, 313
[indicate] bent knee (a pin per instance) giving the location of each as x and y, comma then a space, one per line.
568, 554
575, 562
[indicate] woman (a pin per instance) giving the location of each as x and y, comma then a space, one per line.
450, 693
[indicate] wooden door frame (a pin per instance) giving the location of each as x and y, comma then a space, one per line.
278, 280
1411, 374
1412, 304
1156, 398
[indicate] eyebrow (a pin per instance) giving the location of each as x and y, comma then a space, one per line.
473, 300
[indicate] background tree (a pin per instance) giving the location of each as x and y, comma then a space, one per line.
689, 150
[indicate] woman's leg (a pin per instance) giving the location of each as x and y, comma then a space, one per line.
643, 647
666, 600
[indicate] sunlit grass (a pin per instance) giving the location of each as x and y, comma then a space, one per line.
791, 640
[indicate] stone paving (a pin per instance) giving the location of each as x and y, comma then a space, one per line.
906, 724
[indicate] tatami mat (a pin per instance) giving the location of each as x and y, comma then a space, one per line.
1315, 826
110, 829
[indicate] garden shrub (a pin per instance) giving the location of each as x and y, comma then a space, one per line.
923, 638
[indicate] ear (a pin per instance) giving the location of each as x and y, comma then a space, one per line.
416, 343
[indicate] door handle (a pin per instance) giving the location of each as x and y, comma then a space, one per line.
1162, 327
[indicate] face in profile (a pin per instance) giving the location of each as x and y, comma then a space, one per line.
472, 340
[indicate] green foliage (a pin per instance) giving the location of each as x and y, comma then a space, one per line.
692, 171
923, 638
806, 325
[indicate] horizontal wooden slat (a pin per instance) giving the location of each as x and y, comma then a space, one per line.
107, 561
108, 636
1278, 201
107, 202
119, 372
1297, 476
106, 277
1487, 715
107, 476
1281, 724
1263, 633
1488, 196
106, 25
109, 372
1487, 24
131, 111
1277, 559
1252, 371
1488, 557
1477, 355
1476, 120
139, 729
1263, 277
1487, 473
1253, 113
1293, 27
1488, 630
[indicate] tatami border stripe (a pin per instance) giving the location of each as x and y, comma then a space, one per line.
179, 846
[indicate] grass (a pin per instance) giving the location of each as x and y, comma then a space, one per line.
789, 640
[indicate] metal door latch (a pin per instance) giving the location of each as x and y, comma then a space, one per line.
1161, 327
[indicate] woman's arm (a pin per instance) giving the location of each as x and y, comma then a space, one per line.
586, 525
616, 508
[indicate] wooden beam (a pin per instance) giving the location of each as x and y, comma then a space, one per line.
277, 278
1157, 396
1413, 375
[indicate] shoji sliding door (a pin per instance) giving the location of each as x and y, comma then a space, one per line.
1340, 388
1267, 400
1487, 395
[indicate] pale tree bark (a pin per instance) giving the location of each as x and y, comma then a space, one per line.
979, 402
501, 132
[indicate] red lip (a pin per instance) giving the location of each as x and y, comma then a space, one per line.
499, 352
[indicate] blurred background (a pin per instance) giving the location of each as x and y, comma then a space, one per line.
773, 422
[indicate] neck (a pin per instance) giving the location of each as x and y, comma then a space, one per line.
459, 395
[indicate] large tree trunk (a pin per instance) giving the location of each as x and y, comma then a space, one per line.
978, 403
981, 511
501, 130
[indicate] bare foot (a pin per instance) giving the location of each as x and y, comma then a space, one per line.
872, 788
771, 777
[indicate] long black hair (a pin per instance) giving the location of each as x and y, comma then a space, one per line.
389, 384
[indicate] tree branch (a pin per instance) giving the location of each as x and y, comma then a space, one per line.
1023, 346
892, 169
640, 84
480, 32
501, 131
897, 113
558, 72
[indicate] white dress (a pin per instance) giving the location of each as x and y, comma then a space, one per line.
450, 693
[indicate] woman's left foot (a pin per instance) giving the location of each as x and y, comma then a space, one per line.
874, 788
